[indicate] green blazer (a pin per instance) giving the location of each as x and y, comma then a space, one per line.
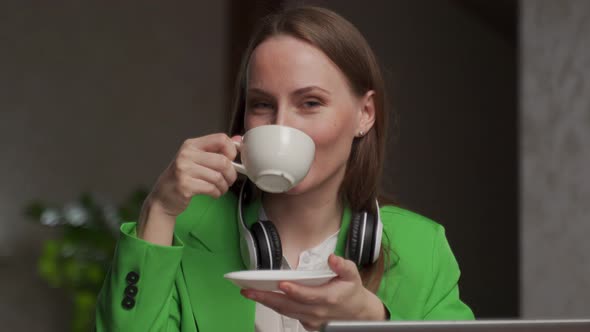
181, 287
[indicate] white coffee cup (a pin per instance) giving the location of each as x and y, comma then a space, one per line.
276, 158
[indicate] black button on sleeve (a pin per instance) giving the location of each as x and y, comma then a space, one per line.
128, 302
132, 277
131, 290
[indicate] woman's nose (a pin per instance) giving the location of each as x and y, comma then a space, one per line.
281, 117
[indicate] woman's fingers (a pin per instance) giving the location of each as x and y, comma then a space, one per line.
189, 159
304, 294
344, 268
187, 187
185, 169
217, 143
211, 168
218, 163
202, 166
207, 175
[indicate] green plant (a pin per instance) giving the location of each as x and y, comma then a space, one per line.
78, 260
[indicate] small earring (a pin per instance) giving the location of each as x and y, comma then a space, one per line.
361, 134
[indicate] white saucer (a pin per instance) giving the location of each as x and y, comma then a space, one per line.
268, 280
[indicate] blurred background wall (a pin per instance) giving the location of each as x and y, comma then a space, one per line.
98, 97
94, 96
555, 158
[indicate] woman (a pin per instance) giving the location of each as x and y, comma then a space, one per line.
310, 69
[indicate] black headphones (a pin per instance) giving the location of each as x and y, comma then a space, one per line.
261, 247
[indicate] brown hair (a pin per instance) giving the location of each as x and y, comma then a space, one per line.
349, 50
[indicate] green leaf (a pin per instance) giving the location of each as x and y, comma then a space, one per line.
72, 270
48, 263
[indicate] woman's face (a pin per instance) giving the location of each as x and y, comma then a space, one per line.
292, 83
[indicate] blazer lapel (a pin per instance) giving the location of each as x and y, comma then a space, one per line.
211, 251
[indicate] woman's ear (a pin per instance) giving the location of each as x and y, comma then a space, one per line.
367, 114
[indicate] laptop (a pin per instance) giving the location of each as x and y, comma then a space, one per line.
567, 325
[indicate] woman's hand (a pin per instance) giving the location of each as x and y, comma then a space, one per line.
202, 166
343, 298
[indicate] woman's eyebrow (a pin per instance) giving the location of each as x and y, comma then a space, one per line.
258, 91
297, 92
309, 89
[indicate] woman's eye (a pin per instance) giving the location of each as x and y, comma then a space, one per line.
260, 106
311, 103
263, 105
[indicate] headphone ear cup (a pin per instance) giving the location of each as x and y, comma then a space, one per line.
268, 244
275, 244
369, 244
353, 239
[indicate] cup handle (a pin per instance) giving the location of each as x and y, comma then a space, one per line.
239, 167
